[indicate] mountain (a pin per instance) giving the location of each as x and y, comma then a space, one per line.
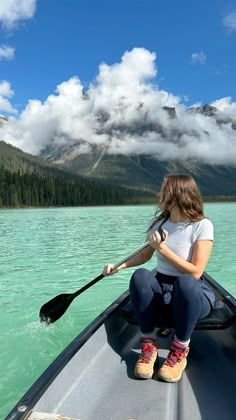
134, 175
14, 160
27, 181
143, 172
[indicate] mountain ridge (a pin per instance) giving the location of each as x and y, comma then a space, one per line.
30, 181
144, 171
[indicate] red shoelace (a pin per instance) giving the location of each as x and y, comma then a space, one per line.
175, 355
146, 354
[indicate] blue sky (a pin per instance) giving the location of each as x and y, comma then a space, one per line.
132, 58
54, 40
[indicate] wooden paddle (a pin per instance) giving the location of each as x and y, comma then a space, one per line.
56, 307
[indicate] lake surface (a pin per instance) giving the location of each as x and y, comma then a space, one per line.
44, 252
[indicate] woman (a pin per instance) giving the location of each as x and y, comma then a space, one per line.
182, 238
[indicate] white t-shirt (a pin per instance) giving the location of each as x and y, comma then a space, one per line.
181, 238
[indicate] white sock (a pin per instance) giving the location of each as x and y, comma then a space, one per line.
184, 343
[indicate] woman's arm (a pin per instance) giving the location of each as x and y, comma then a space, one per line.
138, 259
201, 253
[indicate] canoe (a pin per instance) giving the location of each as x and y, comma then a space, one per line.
92, 379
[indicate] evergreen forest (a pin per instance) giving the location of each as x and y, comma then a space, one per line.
30, 181
31, 190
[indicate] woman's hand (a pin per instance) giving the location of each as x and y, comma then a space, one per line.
109, 269
155, 240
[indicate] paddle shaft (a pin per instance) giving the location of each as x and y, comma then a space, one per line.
100, 277
56, 307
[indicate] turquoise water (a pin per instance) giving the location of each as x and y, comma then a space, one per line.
44, 252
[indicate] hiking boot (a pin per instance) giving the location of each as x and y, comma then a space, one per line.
173, 367
145, 365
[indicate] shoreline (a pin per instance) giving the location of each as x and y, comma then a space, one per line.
206, 199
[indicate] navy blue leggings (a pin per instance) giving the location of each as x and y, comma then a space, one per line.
188, 305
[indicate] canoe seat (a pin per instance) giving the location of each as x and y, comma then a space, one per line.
221, 317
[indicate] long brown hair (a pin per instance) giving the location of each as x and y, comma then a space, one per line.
182, 191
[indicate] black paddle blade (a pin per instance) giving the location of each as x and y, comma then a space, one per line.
55, 308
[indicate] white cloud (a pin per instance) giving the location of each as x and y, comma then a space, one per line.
6, 52
5, 93
13, 11
199, 57
226, 107
123, 111
229, 21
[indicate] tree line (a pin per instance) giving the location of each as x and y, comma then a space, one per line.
31, 190
30, 181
